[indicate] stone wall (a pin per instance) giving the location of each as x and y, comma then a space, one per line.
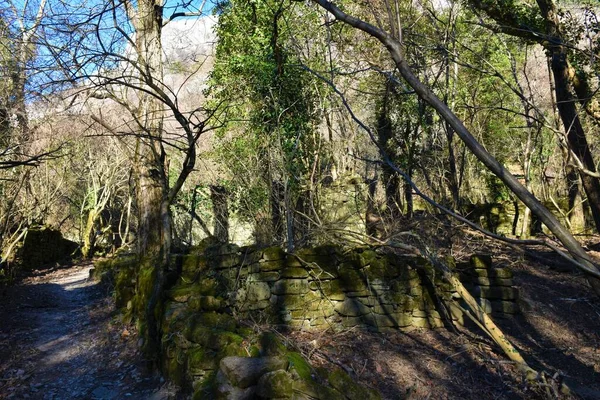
326, 287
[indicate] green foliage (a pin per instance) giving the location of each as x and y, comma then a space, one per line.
270, 101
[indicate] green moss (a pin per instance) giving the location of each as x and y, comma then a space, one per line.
352, 280
270, 345
174, 318
275, 385
367, 257
191, 264
174, 364
299, 364
313, 390
254, 351
327, 249
273, 254
208, 387
204, 287
481, 261
214, 332
342, 382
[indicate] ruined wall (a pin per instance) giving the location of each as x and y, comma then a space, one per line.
313, 289
325, 287
43, 246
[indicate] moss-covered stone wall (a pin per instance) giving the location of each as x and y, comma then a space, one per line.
325, 287
213, 291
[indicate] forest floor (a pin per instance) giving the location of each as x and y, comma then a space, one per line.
557, 332
60, 339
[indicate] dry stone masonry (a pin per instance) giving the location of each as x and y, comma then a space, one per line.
206, 347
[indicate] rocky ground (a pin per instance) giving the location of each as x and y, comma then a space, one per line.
60, 339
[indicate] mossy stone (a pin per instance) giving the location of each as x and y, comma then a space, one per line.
300, 365
205, 303
352, 308
214, 339
480, 280
174, 317
270, 345
269, 266
481, 261
496, 292
174, 366
204, 287
258, 291
382, 269
323, 267
343, 383
191, 264
395, 319
207, 388
312, 390
244, 372
294, 272
271, 276
254, 351
250, 255
308, 301
200, 359
202, 328
224, 261
290, 286
292, 261
327, 249
352, 280
274, 253
331, 289
367, 257
275, 385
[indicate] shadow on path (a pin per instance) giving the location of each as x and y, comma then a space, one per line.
58, 340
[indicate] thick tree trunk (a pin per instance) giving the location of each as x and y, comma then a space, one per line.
575, 133
154, 223
395, 49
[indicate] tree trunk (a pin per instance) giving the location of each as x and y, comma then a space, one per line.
575, 133
154, 219
576, 207
277, 212
385, 136
218, 195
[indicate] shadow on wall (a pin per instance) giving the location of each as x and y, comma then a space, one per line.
224, 298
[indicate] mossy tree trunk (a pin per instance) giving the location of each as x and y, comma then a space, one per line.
152, 191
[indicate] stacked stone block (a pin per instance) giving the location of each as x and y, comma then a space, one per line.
492, 286
312, 289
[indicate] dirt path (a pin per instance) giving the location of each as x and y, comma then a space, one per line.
59, 339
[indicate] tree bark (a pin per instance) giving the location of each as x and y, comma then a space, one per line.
154, 219
218, 195
575, 133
